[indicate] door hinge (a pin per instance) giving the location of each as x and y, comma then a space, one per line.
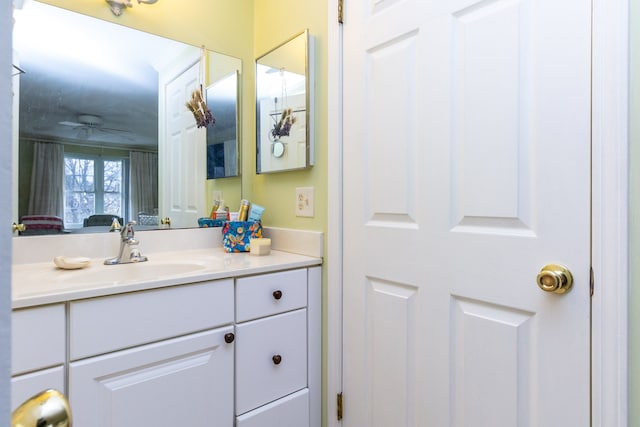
340, 11
592, 281
339, 406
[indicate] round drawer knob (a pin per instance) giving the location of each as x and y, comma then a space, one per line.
277, 359
277, 294
228, 338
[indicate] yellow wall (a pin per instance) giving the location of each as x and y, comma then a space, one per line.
275, 22
634, 220
196, 22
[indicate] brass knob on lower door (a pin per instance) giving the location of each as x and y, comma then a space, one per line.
555, 278
49, 408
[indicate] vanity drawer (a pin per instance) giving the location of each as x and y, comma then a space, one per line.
260, 377
290, 411
101, 325
37, 338
268, 294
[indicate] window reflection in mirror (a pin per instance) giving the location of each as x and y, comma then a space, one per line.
91, 87
284, 135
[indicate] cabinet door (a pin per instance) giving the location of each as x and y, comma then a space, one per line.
25, 386
186, 381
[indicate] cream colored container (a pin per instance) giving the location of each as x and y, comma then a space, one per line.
260, 246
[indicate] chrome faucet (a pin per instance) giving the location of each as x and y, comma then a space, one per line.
129, 251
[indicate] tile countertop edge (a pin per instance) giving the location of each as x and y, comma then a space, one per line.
243, 264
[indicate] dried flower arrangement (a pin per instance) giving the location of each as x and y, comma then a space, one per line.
283, 126
198, 107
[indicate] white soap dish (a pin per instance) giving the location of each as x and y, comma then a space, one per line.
71, 263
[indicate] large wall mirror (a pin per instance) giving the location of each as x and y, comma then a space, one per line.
89, 117
284, 99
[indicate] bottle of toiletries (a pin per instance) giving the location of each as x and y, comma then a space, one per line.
214, 209
222, 212
255, 212
243, 213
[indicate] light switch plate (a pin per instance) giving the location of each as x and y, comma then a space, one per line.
304, 201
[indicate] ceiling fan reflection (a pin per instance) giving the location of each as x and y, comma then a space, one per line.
87, 124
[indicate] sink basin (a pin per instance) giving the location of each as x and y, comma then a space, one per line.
133, 272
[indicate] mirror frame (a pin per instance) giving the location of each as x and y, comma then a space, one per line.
309, 106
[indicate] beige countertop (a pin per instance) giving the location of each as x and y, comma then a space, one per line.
43, 283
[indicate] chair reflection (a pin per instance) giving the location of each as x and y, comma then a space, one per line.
101, 220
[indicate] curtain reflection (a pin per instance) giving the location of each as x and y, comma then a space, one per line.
144, 187
47, 180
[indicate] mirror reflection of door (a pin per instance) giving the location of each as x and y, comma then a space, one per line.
182, 143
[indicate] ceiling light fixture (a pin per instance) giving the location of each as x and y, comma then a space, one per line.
118, 6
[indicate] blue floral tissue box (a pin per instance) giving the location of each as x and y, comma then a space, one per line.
208, 222
237, 234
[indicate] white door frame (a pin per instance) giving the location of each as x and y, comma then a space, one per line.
609, 213
610, 233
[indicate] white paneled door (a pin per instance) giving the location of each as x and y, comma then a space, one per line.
183, 163
467, 170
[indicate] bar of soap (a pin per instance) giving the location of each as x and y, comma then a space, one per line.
260, 246
71, 263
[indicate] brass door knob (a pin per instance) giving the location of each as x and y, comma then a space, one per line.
555, 278
18, 227
46, 409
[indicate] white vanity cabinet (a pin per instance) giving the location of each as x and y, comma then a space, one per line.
37, 351
278, 349
239, 350
163, 357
